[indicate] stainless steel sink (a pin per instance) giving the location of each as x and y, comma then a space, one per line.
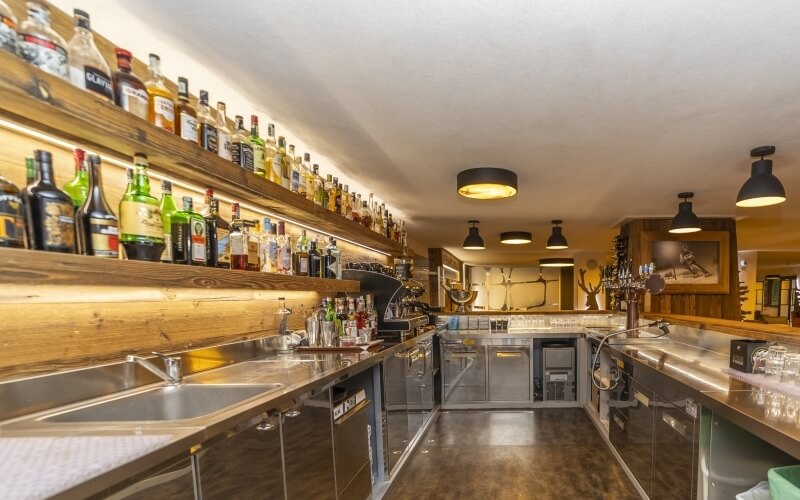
165, 403
260, 371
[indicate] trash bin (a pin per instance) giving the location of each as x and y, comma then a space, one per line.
757, 492
784, 482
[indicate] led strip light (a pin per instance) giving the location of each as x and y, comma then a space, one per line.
189, 187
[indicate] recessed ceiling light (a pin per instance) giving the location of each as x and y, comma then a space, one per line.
487, 183
685, 221
762, 189
556, 241
557, 262
473, 241
516, 237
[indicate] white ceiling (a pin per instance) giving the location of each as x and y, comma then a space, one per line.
605, 109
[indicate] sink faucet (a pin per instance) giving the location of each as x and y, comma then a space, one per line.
172, 375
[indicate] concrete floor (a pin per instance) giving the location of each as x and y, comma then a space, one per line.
553, 453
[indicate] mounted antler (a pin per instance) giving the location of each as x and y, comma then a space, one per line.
591, 291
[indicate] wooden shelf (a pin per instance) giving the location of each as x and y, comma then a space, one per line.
34, 98
33, 267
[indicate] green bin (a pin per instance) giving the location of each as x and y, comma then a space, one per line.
784, 482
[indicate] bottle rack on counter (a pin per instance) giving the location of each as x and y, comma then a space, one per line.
31, 267
33, 98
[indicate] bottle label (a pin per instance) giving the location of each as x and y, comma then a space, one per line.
295, 186
166, 255
238, 245
303, 265
44, 54
58, 224
8, 34
105, 237
252, 252
258, 159
277, 167
140, 219
284, 259
224, 140
198, 236
188, 127
163, 112
134, 101
178, 239
223, 245
208, 137
93, 79
242, 155
12, 225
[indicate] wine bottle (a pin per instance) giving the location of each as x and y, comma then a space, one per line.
97, 226
12, 215
49, 210
140, 224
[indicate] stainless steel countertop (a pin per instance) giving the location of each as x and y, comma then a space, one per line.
544, 332
298, 378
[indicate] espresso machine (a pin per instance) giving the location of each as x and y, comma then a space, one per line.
396, 301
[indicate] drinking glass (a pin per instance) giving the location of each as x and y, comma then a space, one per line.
775, 356
790, 407
791, 365
774, 404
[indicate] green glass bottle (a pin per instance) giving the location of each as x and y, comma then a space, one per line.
140, 226
168, 208
188, 235
30, 171
257, 144
78, 187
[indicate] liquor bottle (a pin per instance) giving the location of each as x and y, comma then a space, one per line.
12, 214
78, 187
160, 107
30, 170
141, 229
372, 315
252, 230
40, 45
267, 247
294, 171
129, 92
355, 210
301, 255
257, 145
270, 150
8, 29
314, 260
273, 248
211, 216
221, 236
223, 133
206, 125
330, 309
188, 235
87, 68
129, 180
341, 316
282, 164
168, 209
374, 217
319, 187
49, 211
330, 193
284, 250
351, 329
97, 226
185, 114
238, 246
389, 226
241, 150
308, 177
337, 196
332, 262
366, 215
346, 206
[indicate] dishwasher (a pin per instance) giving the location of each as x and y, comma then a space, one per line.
510, 371
463, 371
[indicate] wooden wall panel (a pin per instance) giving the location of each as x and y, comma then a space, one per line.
436, 258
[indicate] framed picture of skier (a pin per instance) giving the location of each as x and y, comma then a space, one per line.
690, 263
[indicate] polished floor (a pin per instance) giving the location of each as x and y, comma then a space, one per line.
552, 453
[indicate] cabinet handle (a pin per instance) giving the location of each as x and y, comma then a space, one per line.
265, 426
292, 413
508, 354
673, 422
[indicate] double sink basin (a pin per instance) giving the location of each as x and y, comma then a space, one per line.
200, 395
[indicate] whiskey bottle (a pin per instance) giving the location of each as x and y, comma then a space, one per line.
238, 246
308, 177
141, 229
206, 125
40, 45
87, 68
186, 116
160, 107
301, 255
97, 226
294, 172
346, 208
366, 215
49, 211
221, 237
223, 133
188, 235
252, 231
78, 187
314, 260
241, 150
257, 145
8, 29
282, 165
330, 193
319, 187
12, 215
30, 170
270, 150
129, 92
168, 209
284, 250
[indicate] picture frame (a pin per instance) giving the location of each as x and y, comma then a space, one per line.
691, 263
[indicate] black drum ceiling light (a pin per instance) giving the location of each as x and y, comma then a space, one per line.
685, 221
473, 241
487, 183
557, 262
556, 241
516, 237
762, 189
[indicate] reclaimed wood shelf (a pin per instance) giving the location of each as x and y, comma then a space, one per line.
31, 97
32, 267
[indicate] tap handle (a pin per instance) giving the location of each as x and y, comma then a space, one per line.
168, 360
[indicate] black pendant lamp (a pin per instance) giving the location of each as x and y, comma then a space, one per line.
487, 183
473, 241
762, 189
685, 221
557, 262
556, 241
516, 237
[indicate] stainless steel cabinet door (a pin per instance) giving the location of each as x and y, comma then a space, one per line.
174, 482
353, 478
414, 381
464, 373
509, 373
308, 450
675, 456
245, 465
638, 453
395, 407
